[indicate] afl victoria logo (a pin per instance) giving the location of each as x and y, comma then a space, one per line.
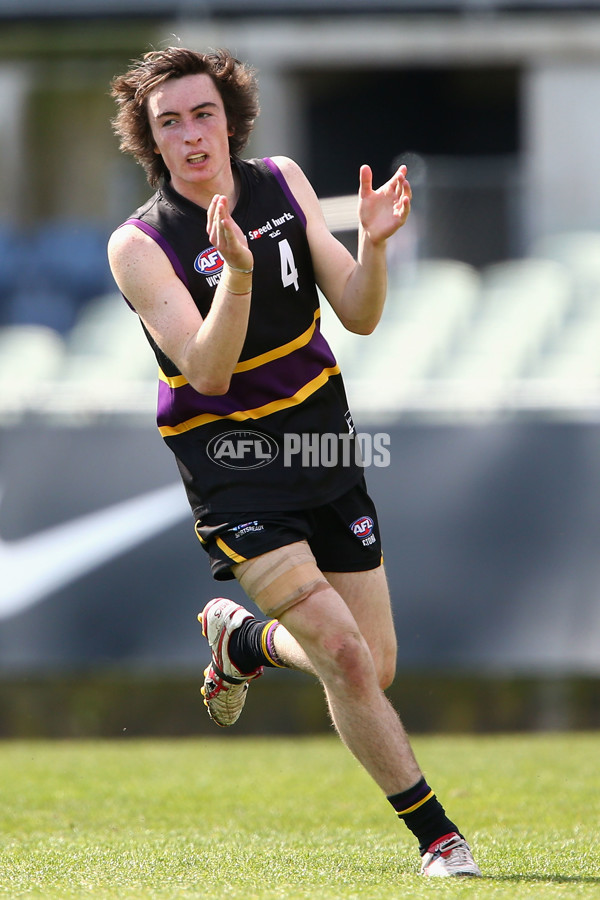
209, 262
362, 527
242, 450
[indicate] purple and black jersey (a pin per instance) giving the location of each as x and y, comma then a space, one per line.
256, 447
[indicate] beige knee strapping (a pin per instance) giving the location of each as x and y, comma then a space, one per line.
279, 579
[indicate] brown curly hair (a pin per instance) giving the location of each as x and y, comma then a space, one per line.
235, 81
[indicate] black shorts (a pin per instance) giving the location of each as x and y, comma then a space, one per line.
343, 535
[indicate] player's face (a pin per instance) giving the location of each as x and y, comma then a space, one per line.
190, 131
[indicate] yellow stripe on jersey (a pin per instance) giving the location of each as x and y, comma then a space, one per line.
175, 381
241, 414
229, 552
284, 350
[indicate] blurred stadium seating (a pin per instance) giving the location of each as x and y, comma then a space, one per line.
521, 305
49, 273
29, 354
517, 335
107, 345
520, 335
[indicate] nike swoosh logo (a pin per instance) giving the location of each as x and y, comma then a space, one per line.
35, 566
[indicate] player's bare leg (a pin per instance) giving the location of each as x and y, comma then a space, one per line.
342, 631
320, 636
323, 627
366, 594
374, 619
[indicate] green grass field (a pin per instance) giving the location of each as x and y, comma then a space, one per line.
259, 819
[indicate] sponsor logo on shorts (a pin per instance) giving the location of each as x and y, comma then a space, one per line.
242, 450
363, 529
246, 528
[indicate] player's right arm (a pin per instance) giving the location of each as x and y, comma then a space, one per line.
205, 350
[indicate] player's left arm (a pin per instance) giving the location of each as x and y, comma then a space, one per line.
355, 288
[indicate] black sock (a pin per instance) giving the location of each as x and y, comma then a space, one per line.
251, 646
423, 814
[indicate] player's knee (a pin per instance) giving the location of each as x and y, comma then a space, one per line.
348, 658
358, 665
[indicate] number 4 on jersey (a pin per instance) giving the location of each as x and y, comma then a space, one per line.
289, 272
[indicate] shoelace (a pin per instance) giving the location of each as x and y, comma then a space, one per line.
457, 854
459, 850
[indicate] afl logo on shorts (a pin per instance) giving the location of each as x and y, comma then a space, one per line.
209, 262
363, 527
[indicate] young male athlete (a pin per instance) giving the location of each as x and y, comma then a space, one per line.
222, 266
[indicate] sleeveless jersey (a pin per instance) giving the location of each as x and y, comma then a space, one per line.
282, 437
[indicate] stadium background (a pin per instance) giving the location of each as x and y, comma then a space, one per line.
490, 505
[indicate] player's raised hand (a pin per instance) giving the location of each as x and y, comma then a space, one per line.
226, 235
383, 211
